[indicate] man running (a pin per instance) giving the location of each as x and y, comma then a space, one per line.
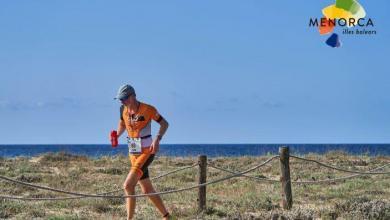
136, 118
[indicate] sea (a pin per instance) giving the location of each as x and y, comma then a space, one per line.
193, 150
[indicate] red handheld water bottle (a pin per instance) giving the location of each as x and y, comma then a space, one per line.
114, 138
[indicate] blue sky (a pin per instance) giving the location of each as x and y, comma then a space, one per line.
219, 71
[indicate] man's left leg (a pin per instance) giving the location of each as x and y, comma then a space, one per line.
147, 187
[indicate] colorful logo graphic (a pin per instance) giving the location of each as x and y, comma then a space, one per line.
345, 13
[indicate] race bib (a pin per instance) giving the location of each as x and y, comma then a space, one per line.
134, 145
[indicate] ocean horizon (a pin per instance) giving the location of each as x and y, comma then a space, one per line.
191, 150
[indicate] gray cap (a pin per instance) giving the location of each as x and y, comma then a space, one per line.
125, 91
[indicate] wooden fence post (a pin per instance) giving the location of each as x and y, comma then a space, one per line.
287, 200
202, 159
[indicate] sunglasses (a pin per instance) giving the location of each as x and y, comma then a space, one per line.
125, 98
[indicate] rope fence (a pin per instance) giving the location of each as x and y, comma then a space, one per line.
298, 182
337, 168
80, 195
243, 175
339, 178
202, 183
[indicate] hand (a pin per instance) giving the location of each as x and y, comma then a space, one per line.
155, 145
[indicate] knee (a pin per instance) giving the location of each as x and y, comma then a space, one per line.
128, 187
147, 190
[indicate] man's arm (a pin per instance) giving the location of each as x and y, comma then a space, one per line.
156, 142
121, 127
163, 128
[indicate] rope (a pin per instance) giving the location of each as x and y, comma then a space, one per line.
337, 179
129, 196
105, 193
243, 175
299, 182
162, 175
336, 168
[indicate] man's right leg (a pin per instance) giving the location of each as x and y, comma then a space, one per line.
129, 187
134, 175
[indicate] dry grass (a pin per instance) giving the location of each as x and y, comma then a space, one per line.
365, 197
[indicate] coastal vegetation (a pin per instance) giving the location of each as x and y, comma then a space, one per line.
364, 197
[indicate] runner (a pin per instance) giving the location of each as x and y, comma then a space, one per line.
136, 118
